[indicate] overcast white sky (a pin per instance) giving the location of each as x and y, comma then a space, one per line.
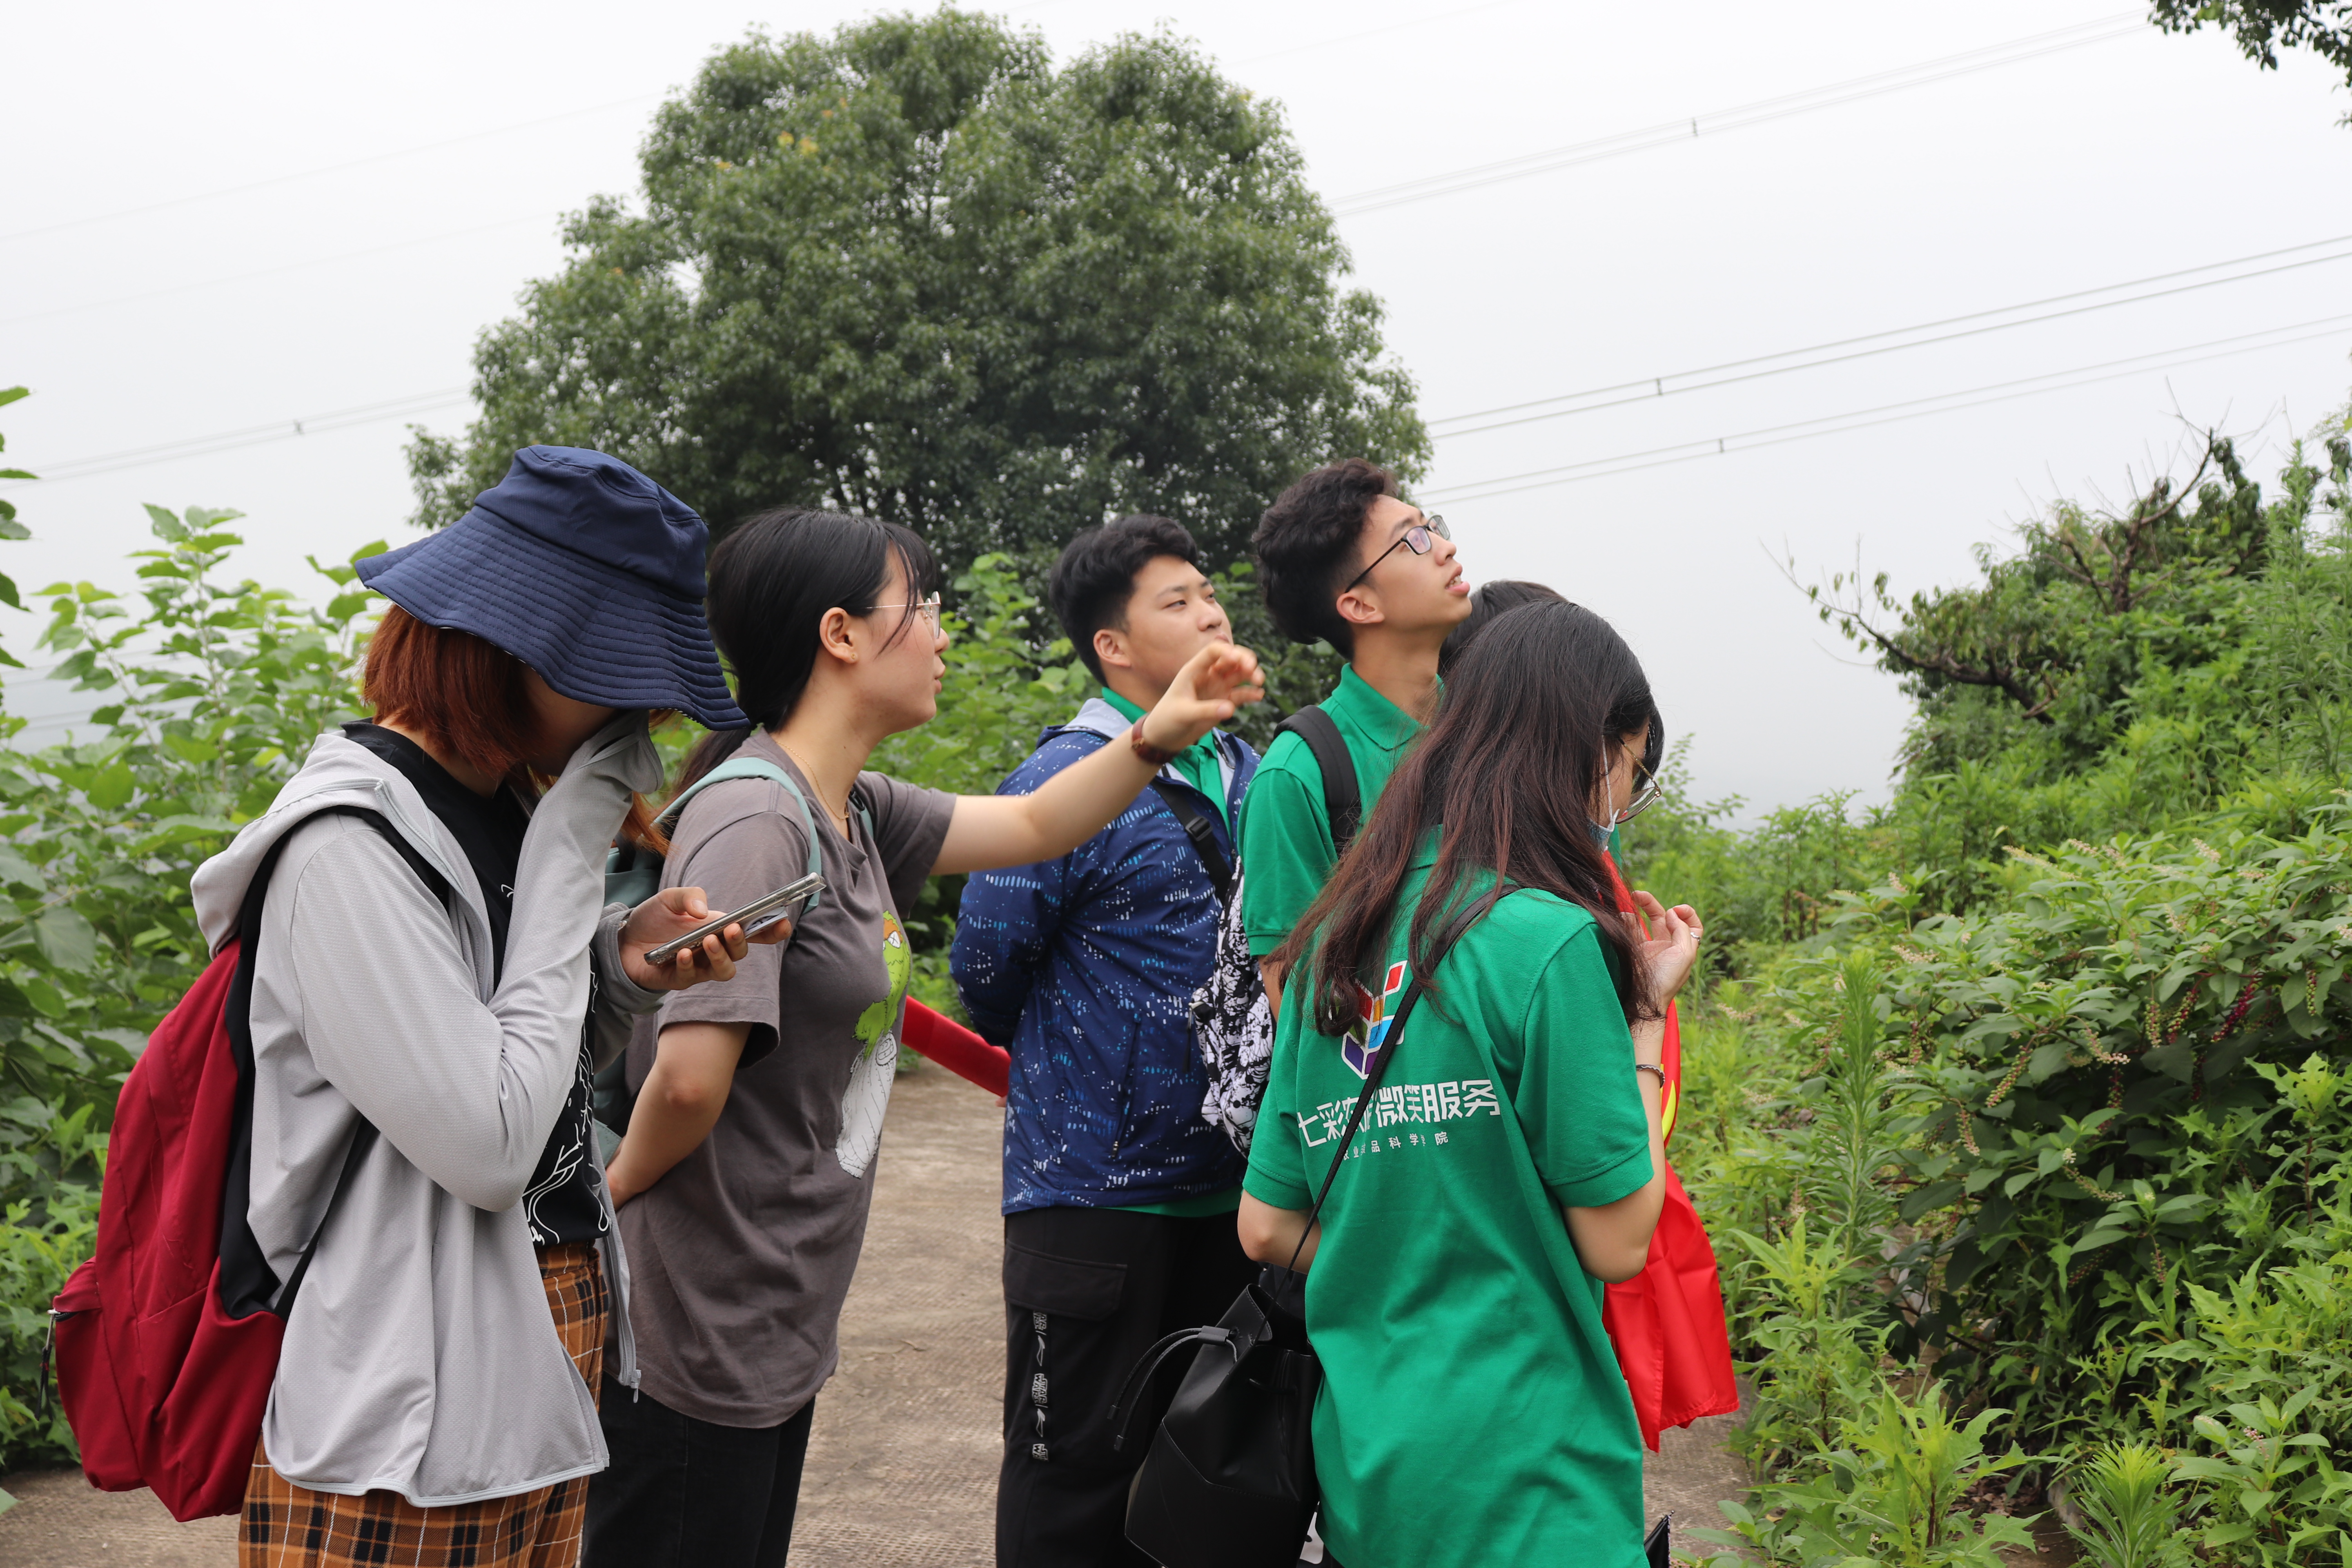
137, 322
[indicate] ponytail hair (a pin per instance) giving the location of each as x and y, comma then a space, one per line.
772, 581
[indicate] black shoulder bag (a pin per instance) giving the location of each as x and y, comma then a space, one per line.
1230, 1480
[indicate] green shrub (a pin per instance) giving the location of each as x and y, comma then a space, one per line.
49, 1172
1887, 1494
2131, 1516
210, 692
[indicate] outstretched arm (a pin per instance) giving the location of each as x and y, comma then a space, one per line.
991, 830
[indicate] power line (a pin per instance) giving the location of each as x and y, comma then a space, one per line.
1891, 412
250, 435
1655, 387
1375, 32
1830, 96
275, 272
326, 169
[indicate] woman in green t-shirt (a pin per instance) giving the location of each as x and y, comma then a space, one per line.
1510, 1161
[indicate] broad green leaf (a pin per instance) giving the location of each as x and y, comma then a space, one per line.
111, 788
67, 939
18, 872
44, 997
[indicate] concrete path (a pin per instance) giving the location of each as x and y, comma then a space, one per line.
902, 1461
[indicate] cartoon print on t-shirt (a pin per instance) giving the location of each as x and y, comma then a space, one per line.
869, 1095
1373, 1015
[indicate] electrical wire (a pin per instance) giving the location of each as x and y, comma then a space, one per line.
1655, 387
1830, 95
326, 169
250, 435
1889, 413
1375, 32
409, 243
427, 402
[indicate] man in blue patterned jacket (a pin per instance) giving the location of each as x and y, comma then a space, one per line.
1118, 1198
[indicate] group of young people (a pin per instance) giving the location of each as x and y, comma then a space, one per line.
509, 1348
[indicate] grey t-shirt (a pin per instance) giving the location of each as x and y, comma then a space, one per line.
739, 1257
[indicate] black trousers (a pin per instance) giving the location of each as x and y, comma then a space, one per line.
1086, 1292
684, 1493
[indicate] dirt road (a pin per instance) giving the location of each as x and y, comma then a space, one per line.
902, 1463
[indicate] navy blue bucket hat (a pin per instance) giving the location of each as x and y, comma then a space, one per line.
583, 569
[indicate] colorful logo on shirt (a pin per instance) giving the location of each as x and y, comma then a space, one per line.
867, 1098
1373, 1017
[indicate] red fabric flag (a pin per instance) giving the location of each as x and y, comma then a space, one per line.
1667, 1323
957, 1049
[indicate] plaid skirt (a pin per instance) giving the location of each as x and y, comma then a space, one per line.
289, 1526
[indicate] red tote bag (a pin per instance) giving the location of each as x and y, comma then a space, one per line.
1667, 1323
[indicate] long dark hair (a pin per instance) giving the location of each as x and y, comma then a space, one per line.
1522, 741
1488, 602
772, 581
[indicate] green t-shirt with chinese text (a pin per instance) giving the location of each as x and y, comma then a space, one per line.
1287, 846
1472, 1410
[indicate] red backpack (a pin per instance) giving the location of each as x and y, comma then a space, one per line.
167, 1338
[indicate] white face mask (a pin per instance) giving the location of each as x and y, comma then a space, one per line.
1601, 831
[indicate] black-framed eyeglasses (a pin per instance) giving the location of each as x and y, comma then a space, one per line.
1421, 539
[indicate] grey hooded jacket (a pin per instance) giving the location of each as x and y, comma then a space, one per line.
420, 1356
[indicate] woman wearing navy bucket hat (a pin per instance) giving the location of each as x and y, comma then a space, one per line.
432, 976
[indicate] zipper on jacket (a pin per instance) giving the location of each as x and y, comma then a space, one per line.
49, 1350
1126, 1090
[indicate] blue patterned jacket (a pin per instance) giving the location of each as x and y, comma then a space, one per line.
1084, 968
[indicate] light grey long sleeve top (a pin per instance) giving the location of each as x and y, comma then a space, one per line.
420, 1356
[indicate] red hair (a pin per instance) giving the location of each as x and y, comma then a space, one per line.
468, 697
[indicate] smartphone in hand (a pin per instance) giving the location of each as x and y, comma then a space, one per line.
758, 915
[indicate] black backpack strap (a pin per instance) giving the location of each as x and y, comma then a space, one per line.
1201, 832
1379, 1064
247, 1285
1343, 797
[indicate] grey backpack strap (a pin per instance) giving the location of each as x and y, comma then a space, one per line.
753, 768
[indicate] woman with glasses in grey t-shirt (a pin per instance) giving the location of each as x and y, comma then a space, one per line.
748, 1166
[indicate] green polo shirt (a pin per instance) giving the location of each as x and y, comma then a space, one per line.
1198, 764
1287, 850
1472, 1408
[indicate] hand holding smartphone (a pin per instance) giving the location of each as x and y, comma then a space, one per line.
761, 913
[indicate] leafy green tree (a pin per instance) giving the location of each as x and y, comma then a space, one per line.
914, 271
2263, 26
2056, 633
